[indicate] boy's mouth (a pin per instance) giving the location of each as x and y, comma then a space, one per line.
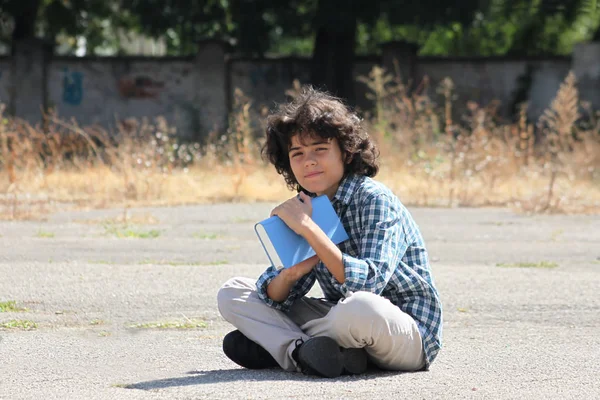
312, 174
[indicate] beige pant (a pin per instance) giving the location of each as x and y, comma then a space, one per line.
390, 336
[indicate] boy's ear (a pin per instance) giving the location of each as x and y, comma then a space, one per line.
348, 158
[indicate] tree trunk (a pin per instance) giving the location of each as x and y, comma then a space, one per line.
25, 18
333, 56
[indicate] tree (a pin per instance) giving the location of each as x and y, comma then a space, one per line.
255, 25
337, 28
334, 26
458, 27
47, 19
24, 16
547, 26
183, 22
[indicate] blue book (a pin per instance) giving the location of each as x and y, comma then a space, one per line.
285, 248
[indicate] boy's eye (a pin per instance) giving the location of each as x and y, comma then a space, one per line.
321, 148
296, 154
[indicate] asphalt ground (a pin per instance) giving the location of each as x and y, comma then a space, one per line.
106, 300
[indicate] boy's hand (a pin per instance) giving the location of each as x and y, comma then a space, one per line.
297, 271
295, 212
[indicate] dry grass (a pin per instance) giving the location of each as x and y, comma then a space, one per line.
433, 158
186, 324
541, 264
430, 156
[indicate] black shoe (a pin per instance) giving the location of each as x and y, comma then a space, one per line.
324, 357
354, 360
247, 353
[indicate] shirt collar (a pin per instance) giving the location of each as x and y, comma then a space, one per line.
346, 189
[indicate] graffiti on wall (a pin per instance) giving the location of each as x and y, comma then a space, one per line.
264, 75
72, 87
140, 87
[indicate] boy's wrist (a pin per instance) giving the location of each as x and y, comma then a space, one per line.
307, 227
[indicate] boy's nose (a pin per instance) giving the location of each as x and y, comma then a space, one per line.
310, 161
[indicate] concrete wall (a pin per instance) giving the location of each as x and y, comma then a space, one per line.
484, 80
586, 66
106, 91
481, 80
195, 93
266, 81
547, 78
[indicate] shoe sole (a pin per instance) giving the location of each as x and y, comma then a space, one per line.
322, 354
354, 360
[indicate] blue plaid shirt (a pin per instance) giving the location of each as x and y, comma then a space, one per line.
385, 255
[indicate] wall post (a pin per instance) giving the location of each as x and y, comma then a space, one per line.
29, 84
211, 86
586, 66
400, 56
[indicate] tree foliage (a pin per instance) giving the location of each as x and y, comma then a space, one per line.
331, 31
183, 23
257, 27
53, 19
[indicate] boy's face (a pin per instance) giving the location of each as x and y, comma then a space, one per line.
317, 164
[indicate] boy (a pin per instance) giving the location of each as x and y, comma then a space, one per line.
380, 304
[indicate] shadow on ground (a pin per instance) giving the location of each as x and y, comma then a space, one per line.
232, 375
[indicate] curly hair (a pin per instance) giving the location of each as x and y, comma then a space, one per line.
314, 113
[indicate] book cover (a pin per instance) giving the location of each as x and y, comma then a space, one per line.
285, 248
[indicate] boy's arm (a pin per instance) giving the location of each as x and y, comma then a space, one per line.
381, 246
286, 288
382, 242
280, 287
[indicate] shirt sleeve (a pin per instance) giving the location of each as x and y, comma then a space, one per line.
301, 287
381, 246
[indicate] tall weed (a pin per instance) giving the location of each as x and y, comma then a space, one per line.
430, 156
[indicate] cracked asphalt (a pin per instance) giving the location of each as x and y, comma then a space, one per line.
97, 292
